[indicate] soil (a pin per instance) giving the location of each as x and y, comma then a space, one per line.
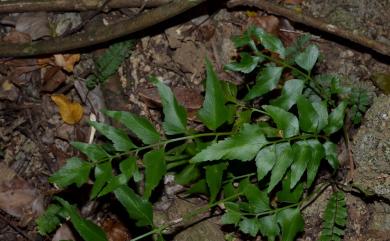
35, 141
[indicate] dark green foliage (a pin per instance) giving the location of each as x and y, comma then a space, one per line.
109, 62
335, 218
88, 230
49, 220
259, 162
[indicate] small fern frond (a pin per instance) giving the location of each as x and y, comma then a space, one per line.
335, 218
109, 62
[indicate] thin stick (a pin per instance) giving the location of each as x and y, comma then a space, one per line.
72, 5
100, 34
313, 22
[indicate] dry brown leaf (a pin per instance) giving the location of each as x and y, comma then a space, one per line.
269, 23
53, 78
71, 112
190, 98
66, 61
17, 197
8, 91
63, 233
115, 230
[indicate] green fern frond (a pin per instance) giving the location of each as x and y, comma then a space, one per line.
109, 62
335, 218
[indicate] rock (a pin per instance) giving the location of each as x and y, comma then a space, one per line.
371, 149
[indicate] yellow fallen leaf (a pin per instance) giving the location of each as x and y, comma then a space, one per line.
251, 14
7, 86
66, 61
71, 112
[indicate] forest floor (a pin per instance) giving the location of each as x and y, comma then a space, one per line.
35, 141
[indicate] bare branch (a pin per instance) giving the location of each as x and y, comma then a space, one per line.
101, 34
313, 22
73, 5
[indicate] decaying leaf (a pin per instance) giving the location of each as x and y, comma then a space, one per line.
269, 23
66, 61
71, 112
53, 78
17, 197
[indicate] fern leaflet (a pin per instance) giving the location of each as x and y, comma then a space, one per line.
109, 62
335, 218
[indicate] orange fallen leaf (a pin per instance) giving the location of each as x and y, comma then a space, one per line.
66, 61
71, 112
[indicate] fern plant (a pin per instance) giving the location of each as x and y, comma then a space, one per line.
109, 62
258, 162
335, 218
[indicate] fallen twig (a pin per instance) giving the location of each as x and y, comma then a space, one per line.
313, 22
73, 5
101, 34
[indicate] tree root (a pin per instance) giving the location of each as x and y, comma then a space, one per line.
16, 6
313, 22
101, 34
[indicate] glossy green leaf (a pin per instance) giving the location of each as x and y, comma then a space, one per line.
308, 58
242, 118
266, 158
317, 153
229, 190
155, 169
302, 156
187, 175
249, 226
270, 42
308, 116
292, 89
246, 39
268, 130
199, 187
336, 119
232, 214
230, 91
283, 162
118, 137
214, 174
140, 126
242, 146
246, 65
137, 207
290, 195
213, 111
284, 120
92, 151
331, 154
231, 217
128, 166
103, 173
268, 227
88, 230
266, 80
322, 112
49, 220
114, 183
291, 223
175, 116
258, 200
74, 171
